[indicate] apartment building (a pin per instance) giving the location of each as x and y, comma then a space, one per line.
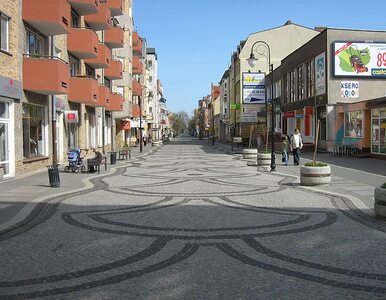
224, 131
58, 71
152, 105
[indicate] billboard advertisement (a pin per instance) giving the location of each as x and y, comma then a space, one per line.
254, 88
359, 59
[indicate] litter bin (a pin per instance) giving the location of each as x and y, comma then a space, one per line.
53, 175
113, 158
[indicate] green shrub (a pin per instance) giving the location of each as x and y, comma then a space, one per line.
383, 186
264, 151
317, 164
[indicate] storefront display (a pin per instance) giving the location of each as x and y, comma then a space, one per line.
378, 129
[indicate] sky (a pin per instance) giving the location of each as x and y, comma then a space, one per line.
194, 39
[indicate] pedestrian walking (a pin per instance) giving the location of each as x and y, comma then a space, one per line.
285, 149
296, 144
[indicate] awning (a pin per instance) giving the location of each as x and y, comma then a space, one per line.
127, 124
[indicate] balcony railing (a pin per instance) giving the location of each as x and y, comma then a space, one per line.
84, 89
116, 102
82, 42
113, 37
100, 20
102, 60
85, 7
49, 17
116, 7
46, 75
115, 71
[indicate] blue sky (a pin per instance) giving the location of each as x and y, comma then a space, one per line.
194, 39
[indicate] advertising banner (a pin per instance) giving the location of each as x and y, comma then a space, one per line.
249, 114
320, 74
349, 89
254, 88
359, 59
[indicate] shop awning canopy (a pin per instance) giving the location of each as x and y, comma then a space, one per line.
128, 124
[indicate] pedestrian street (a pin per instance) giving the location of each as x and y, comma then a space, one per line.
192, 221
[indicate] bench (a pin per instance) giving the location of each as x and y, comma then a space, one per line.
96, 163
124, 153
345, 149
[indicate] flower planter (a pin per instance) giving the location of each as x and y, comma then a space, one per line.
315, 175
250, 153
380, 202
263, 161
156, 144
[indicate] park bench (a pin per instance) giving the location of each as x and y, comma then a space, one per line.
96, 163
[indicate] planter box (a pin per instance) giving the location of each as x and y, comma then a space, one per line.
315, 175
380, 202
263, 162
250, 153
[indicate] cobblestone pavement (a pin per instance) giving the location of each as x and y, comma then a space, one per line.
193, 222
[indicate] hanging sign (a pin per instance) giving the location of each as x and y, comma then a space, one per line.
71, 116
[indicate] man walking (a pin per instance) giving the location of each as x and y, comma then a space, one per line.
296, 144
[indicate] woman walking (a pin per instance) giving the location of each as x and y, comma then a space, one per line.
285, 149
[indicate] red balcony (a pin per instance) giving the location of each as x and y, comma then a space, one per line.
114, 37
45, 75
84, 90
137, 44
100, 20
115, 71
137, 65
116, 7
137, 88
135, 110
104, 95
102, 60
115, 103
51, 17
85, 7
82, 43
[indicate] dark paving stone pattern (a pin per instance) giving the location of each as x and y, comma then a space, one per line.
190, 221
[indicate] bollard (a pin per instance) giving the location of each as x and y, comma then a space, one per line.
53, 175
113, 158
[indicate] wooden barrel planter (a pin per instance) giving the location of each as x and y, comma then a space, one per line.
380, 202
315, 175
250, 153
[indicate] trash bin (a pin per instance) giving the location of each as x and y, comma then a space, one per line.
53, 175
113, 158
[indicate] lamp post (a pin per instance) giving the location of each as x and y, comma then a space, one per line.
140, 123
252, 60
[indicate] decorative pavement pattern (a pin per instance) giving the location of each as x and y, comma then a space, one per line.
191, 222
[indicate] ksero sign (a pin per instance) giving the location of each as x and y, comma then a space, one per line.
349, 89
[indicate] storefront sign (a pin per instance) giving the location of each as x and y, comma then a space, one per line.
359, 59
249, 114
289, 114
71, 116
320, 74
235, 106
10, 88
349, 89
254, 88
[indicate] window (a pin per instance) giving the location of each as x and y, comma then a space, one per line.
4, 32
353, 124
90, 72
310, 78
75, 19
33, 131
74, 66
91, 132
34, 44
300, 83
120, 90
378, 136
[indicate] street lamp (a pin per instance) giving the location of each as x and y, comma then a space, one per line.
140, 123
252, 60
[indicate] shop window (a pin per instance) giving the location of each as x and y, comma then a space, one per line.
33, 131
375, 136
4, 32
382, 136
353, 124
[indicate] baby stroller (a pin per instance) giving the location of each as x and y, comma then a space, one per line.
75, 162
